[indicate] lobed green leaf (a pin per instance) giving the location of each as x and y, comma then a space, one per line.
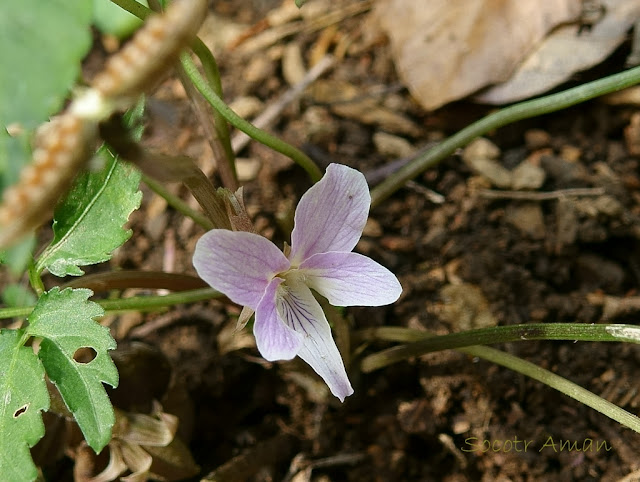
88, 224
66, 322
24, 396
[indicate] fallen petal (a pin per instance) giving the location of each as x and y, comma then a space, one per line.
299, 309
331, 215
350, 279
275, 340
238, 264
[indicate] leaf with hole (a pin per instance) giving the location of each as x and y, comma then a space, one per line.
23, 396
66, 322
88, 224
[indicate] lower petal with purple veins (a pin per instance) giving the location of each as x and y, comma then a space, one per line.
300, 311
275, 340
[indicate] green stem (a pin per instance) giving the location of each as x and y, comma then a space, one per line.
523, 110
238, 122
212, 74
536, 331
177, 203
135, 303
134, 8
212, 92
421, 343
15, 312
557, 382
34, 278
151, 302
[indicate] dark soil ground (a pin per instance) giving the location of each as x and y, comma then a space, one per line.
464, 260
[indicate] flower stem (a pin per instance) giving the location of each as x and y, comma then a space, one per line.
34, 278
135, 303
508, 115
420, 342
177, 203
238, 122
211, 91
219, 134
557, 382
212, 74
538, 331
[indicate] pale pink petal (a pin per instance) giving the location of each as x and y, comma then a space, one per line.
275, 340
350, 279
331, 215
299, 309
238, 264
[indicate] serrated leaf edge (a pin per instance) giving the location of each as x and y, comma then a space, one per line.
54, 247
85, 294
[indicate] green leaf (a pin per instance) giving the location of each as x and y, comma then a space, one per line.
114, 20
15, 294
24, 395
65, 321
18, 256
41, 47
88, 224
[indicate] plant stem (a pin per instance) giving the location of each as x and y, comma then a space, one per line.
536, 331
421, 342
508, 115
15, 312
212, 90
134, 8
212, 74
219, 135
177, 203
557, 382
34, 278
120, 280
238, 122
153, 302
135, 303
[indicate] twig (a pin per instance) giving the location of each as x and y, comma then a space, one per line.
541, 196
614, 306
245, 465
340, 459
239, 123
120, 280
273, 35
430, 194
271, 113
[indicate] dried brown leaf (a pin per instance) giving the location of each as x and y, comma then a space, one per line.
452, 49
566, 51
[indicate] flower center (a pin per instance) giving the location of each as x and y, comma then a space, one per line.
292, 276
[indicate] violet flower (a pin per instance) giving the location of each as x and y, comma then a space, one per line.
253, 272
